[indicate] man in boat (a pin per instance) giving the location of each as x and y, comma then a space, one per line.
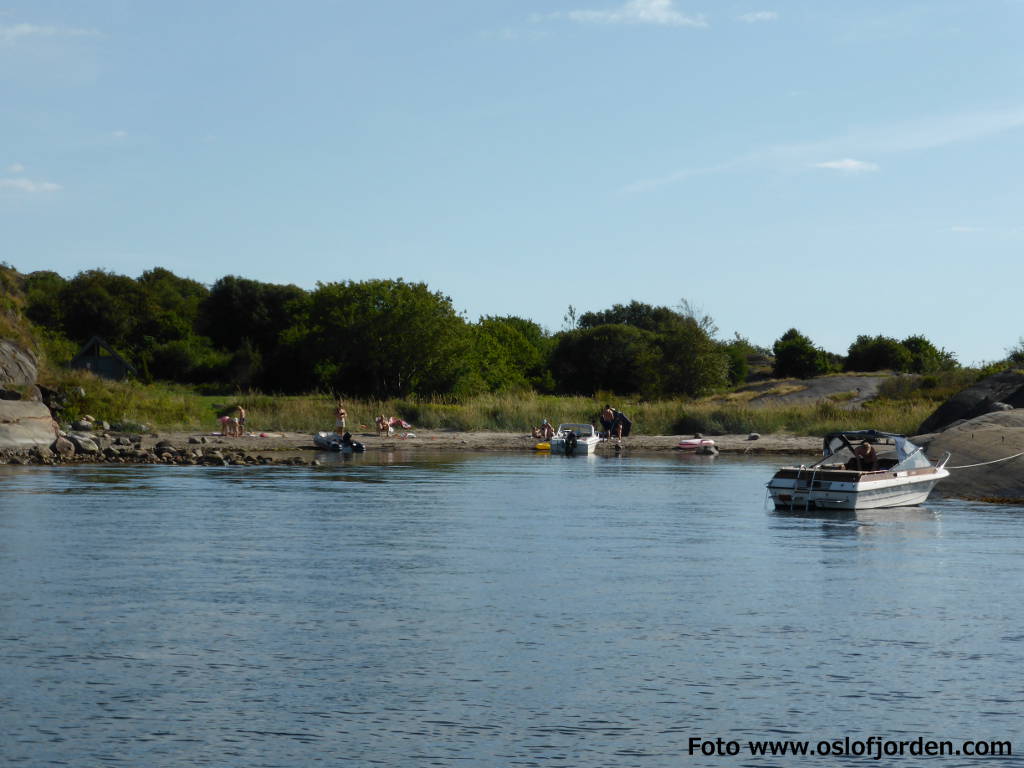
865, 458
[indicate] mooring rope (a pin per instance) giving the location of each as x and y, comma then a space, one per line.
982, 464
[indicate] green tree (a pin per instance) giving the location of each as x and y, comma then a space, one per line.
508, 353
43, 291
617, 358
877, 353
796, 356
386, 338
238, 308
925, 358
170, 307
101, 303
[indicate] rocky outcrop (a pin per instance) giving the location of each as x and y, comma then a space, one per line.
25, 424
996, 393
17, 365
978, 441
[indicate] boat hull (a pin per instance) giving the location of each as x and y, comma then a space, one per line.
584, 446
852, 490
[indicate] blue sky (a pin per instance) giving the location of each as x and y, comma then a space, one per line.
840, 167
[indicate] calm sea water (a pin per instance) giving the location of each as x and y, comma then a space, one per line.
490, 610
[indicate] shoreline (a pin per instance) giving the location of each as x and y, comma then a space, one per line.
197, 448
190, 448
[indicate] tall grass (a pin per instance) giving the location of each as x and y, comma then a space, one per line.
170, 407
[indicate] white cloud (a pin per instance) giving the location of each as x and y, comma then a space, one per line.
12, 33
755, 16
883, 139
659, 12
15, 168
119, 134
848, 165
29, 186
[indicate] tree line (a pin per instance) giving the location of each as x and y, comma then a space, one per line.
391, 338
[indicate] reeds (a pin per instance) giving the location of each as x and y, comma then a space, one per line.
171, 407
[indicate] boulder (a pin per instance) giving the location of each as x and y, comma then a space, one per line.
1004, 389
25, 424
17, 365
63, 447
978, 441
83, 443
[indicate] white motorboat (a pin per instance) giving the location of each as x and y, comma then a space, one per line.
900, 477
575, 439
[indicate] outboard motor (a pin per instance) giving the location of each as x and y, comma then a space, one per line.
348, 445
570, 443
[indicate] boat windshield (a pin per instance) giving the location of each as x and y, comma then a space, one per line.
908, 455
582, 430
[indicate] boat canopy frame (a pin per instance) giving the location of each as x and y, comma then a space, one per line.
908, 455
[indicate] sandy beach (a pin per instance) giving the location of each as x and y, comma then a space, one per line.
282, 444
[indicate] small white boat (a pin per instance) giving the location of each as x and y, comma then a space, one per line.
900, 480
575, 439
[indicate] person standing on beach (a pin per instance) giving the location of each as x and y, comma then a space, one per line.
241, 421
340, 415
607, 419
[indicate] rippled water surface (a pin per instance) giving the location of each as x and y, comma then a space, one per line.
489, 611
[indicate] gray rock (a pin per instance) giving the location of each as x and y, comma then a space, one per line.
63, 447
1000, 407
17, 365
25, 424
165, 446
1006, 387
753, 436
83, 443
82, 425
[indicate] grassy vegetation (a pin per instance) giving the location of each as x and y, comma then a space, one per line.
172, 407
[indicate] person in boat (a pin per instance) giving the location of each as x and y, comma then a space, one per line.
607, 420
865, 458
340, 415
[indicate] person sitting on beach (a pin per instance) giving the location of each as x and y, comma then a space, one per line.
865, 458
383, 426
545, 431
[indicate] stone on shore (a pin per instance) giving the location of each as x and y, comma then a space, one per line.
83, 443
998, 392
63, 447
17, 365
983, 439
25, 424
